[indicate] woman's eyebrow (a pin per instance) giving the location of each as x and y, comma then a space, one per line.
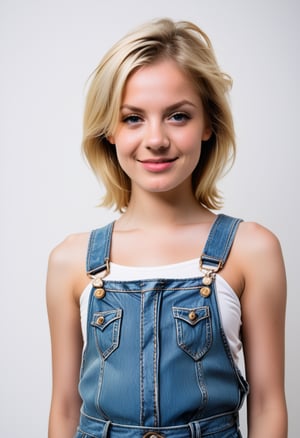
172, 107
131, 108
180, 104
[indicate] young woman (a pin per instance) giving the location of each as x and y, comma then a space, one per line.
148, 314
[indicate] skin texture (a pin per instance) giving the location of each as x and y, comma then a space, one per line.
158, 142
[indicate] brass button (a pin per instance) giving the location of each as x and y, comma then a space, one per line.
98, 282
207, 280
205, 291
192, 315
99, 293
100, 320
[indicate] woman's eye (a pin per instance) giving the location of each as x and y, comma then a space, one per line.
179, 117
131, 119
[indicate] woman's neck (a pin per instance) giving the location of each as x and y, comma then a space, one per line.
158, 229
163, 210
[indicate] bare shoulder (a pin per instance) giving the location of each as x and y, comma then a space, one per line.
66, 266
255, 239
258, 254
69, 251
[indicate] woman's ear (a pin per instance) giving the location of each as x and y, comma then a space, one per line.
206, 133
111, 139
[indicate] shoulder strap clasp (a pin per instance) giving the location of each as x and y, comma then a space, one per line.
218, 244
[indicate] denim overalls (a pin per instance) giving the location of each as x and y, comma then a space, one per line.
157, 362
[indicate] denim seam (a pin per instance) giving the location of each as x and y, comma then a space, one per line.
155, 383
153, 289
116, 323
230, 239
100, 380
90, 246
142, 413
227, 244
201, 384
96, 256
85, 434
180, 337
193, 423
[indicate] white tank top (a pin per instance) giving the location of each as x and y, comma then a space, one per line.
228, 302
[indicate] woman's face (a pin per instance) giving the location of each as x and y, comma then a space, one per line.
161, 127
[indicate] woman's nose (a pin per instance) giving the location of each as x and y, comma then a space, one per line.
156, 137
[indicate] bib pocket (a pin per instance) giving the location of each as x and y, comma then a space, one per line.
107, 326
193, 330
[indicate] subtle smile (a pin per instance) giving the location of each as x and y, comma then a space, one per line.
158, 160
157, 164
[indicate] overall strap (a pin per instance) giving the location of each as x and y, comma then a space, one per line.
219, 242
99, 249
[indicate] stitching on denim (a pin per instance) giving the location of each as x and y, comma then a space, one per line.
106, 430
201, 384
230, 423
206, 324
242, 383
107, 240
212, 232
224, 250
230, 420
183, 312
153, 289
155, 346
99, 388
84, 434
142, 414
114, 314
94, 257
195, 429
115, 332
90, 246
230, 238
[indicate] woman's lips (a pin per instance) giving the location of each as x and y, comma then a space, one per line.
157, 165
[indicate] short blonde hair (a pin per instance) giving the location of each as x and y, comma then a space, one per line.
191, 49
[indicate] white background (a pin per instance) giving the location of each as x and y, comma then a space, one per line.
47, 51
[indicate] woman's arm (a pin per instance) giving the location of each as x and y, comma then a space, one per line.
65, 275
263, 313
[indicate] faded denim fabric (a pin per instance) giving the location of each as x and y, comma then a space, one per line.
157, 362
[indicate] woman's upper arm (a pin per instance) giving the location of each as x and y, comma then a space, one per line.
263, 315
65, 272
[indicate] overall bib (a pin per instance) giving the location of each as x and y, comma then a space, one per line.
156, 361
